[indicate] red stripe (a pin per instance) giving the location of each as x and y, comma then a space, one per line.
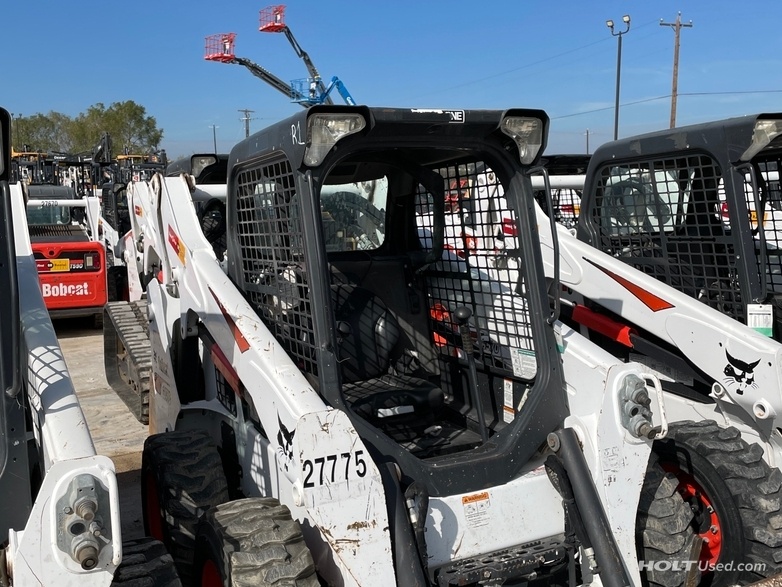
241, 341
651, 301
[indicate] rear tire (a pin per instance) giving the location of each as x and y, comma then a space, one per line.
255, 542
735, 496
663, 528
181, 478
146, 563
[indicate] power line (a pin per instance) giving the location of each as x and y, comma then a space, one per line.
687, 94
528, 65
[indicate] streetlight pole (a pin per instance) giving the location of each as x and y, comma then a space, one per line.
214, 135
618, 35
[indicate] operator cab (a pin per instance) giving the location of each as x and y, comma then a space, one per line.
700, 211
377, 266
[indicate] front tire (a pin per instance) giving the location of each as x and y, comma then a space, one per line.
181, 478
253, 541
735, 496
663, 529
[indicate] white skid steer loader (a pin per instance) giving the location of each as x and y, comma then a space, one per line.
348, 400
60, 507
716, 357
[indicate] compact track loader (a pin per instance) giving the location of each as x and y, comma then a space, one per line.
365, 388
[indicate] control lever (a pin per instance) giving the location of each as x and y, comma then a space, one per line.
462, 316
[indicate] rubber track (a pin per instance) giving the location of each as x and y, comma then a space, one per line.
128, 322
146, 563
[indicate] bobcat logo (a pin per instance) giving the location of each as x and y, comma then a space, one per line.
285, 443
740, 373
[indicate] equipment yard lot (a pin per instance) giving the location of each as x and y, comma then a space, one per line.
115, 432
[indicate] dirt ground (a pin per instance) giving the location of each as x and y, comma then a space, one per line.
115, 432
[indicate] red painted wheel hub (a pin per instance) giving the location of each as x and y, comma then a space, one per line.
711, 529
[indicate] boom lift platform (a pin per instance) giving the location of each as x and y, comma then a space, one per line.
308, 91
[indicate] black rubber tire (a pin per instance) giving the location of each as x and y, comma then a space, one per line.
146, 563
663, 528
181, 478
745, 492
212, 220
254, 541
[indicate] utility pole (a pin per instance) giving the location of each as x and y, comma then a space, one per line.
214, 135
587, 136
677, 27
246, 121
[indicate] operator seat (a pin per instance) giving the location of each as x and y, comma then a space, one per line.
700, 244
367, 334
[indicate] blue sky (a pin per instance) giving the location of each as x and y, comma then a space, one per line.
554, 55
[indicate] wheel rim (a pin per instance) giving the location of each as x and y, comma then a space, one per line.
709, 526
210, 575
152, 512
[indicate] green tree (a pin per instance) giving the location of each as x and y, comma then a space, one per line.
42, 132
126, 122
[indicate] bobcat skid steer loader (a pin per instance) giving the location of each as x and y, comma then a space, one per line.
348, 401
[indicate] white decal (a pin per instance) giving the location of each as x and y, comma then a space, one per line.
296, 137
61, 290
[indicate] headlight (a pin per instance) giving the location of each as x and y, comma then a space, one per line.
323, 132
765, 131
527, 133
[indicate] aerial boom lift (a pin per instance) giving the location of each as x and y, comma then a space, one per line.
272, 20
306, 92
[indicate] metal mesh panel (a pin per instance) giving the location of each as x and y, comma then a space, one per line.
479, 270
767, 169
273, 268
225, 395
668, 218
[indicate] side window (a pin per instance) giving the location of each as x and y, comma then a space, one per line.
480, 263
354, 215
629, 203
272, 265
663, 196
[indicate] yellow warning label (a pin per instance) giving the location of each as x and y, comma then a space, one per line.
475, 497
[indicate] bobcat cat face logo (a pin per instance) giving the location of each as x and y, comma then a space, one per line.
740, 373
285, 443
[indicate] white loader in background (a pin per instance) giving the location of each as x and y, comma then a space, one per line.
60, 506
